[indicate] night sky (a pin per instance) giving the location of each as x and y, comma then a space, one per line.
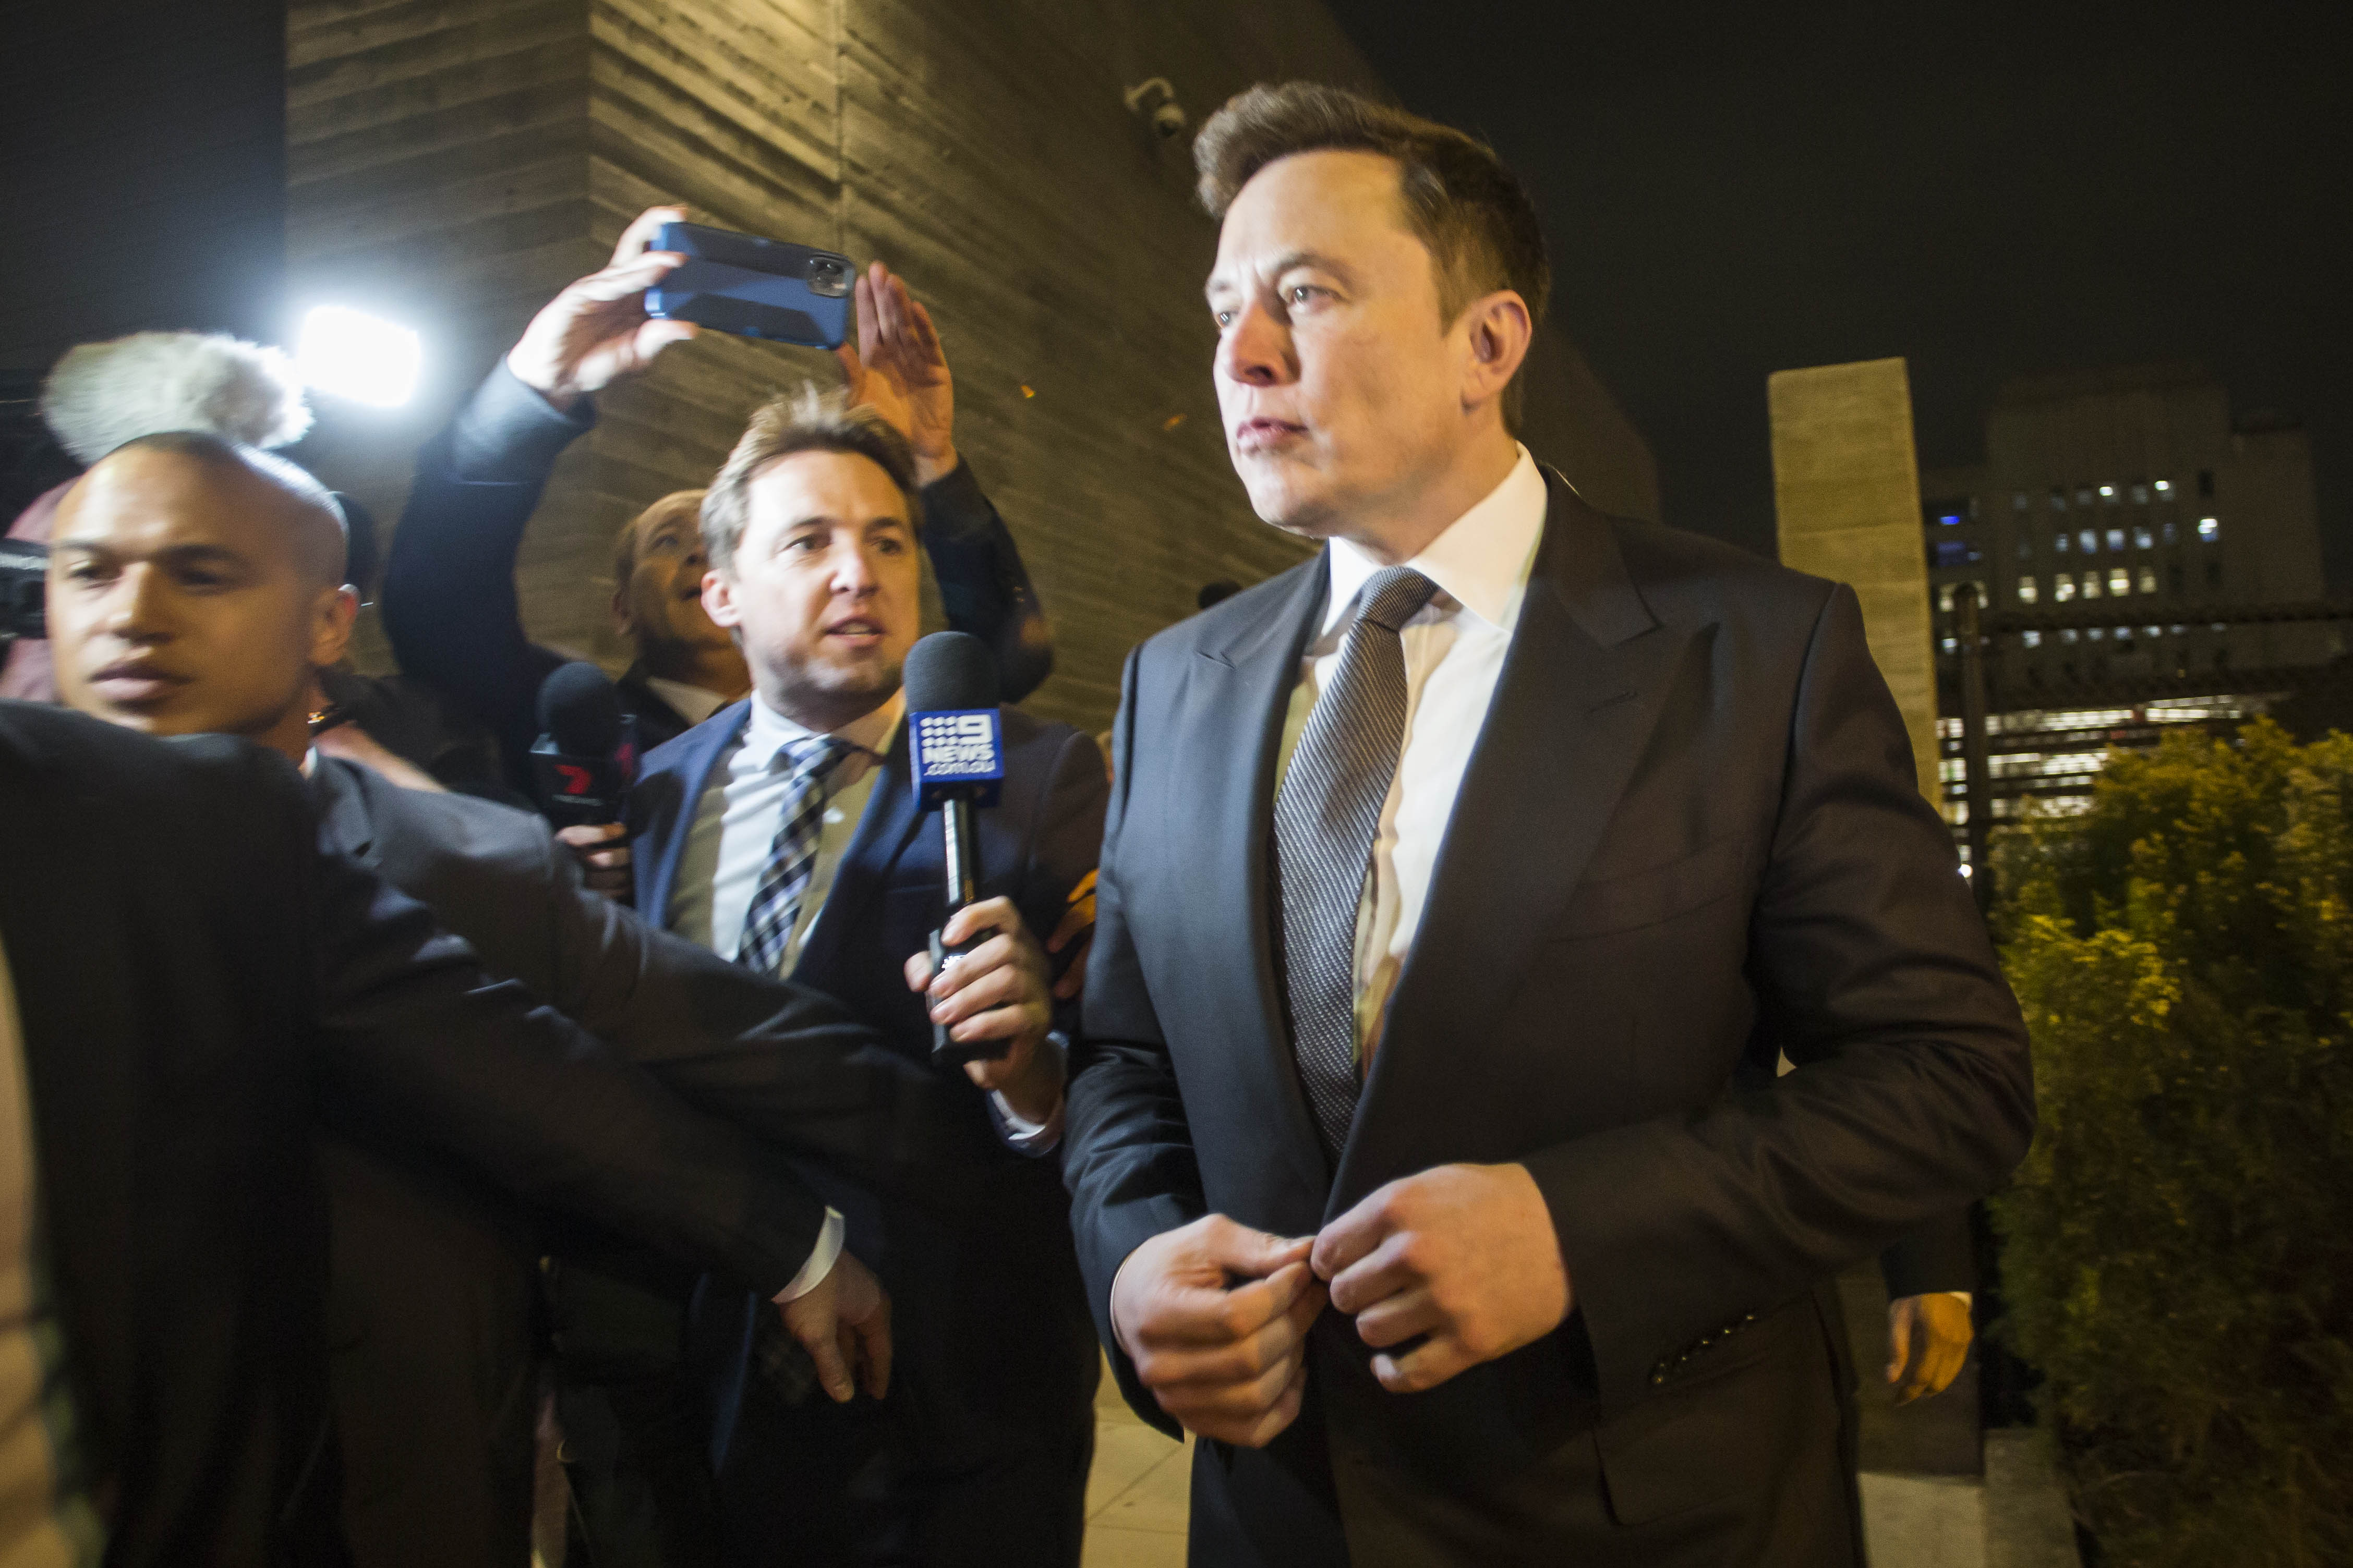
1987, 191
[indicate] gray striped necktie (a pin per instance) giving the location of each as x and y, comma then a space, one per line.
776, 910
1324, 821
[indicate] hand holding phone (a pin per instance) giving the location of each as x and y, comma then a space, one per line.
754, 288
597, 331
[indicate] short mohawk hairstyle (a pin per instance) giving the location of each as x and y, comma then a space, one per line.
101, 396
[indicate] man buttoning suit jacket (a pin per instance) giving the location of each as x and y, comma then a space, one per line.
786, 834
1461, 887
197, 988
449, 604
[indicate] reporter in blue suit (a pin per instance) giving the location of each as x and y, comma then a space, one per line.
784, 832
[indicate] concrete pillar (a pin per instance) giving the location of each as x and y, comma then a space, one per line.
1846, 491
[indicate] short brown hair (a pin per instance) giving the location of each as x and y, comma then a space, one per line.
625, 543
803, 422
1460, 201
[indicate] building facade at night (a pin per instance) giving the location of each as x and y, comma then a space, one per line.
2124, 511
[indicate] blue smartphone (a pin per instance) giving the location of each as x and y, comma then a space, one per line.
754, 288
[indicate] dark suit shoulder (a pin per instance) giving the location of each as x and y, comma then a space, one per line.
210, 786
1234, 617
406, 825
1676, 570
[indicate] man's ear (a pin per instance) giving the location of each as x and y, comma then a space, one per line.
719, 601
1500, 333
330, 632
624, 621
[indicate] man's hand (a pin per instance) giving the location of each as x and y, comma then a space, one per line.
899, 370
1931, 1334
1078, 924
844, 1323
602, 850
998, 992
597, 331
1215, 1315
1464, 1254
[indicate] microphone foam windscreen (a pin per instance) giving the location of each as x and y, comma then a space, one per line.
948, 670
579, 710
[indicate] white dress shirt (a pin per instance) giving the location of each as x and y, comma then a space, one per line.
1454, 648
691, 703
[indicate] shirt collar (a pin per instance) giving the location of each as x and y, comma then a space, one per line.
1482, 562
694, 703
768, 732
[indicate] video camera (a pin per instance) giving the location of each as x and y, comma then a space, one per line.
23, 584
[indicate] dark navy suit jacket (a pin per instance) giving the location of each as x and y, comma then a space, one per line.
994, 1342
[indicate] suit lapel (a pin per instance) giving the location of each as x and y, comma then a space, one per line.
701, 748
1235, 708
884, 829
1580, 689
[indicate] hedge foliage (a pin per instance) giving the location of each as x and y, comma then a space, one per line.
2178, 1250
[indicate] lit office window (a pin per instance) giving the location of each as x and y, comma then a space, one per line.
2167, 533
2153, 633
2091, 584
2068, 636
1944, 598
2107, 492
2140, 495
2117, 539
2165, 489
2062, 589
2140, 537
2061, 542
2097, 632
2149, 579
2210, 529
2026, 592
1952, 644
2090, 540
2032, 639
2119, 581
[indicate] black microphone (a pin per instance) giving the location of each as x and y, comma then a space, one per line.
955, 739
587, 755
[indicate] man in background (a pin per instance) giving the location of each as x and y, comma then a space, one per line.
449, 604
786, 832
195, 589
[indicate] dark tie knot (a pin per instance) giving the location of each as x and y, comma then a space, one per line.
1394, 595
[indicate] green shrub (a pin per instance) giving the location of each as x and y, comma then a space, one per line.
2178, 1248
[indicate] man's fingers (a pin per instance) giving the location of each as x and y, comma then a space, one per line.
823, 1342
620, 282
1900, 1324
870, 329
996, 914
1428, 1365
1397, 1319
639, 236
997, 956
1208, 1315
874, 1348
926, 336
1354, 1235
918, 969
1379, 1275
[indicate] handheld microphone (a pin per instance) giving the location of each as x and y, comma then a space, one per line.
953, 737
24, 589
587, 755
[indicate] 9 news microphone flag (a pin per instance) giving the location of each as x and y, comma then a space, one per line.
957, 746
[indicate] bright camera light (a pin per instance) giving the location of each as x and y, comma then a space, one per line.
353, 355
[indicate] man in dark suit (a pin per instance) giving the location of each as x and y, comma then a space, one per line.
196, 987
193, 590
786, 833
1461, 887
449, 604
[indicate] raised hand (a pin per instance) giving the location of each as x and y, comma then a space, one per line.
898, 369
1464, 1254
596, 331
1928, 1340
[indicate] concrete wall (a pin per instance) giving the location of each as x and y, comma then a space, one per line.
1846, 494
461, 161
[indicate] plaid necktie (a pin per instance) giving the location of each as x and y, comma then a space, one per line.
776, 910
1324, 821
